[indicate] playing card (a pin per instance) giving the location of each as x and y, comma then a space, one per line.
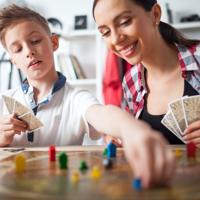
177, 110
169, 122
20, 109
9, 103
35, 123
192, 109
32, 121
22, 113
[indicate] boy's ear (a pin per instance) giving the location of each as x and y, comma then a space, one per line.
156, 12
55, 41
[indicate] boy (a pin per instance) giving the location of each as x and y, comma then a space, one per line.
68, 113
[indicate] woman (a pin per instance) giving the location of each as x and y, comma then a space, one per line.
165, 64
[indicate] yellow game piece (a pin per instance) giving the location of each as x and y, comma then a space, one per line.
178, 153
96, 173
75, 177
20, 163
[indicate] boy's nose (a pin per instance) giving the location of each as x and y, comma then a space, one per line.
30, 54
29, 51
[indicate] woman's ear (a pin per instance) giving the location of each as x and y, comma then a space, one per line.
156, 14
55, 41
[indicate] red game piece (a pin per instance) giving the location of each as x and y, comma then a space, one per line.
52, 153
191, 150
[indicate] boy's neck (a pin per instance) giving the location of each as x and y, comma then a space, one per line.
43, 86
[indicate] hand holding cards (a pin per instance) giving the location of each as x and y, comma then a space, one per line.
22, 113
181, 114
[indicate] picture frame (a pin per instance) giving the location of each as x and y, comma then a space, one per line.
80, 22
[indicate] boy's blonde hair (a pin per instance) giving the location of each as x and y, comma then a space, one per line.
13, 13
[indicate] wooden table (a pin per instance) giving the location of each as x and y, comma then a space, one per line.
43, 180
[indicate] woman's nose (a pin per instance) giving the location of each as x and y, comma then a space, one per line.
117, 37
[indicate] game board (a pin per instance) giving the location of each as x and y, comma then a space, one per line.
43, 180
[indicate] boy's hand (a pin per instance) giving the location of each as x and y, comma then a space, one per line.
148, 155
192, 133
9, 126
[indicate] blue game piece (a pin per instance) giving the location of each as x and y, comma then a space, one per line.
137, 184
111, 150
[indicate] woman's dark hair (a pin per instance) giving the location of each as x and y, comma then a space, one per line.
169, 33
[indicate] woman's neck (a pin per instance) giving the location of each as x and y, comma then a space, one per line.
163, 60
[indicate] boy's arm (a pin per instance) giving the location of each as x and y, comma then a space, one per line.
145, 149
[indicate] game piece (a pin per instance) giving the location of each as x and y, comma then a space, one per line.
111, 148
191, 150
96, 173
105, 152
20, 163
137, 184
75, 177
107, 163
83, 166
63, 160
178, 153
52, 153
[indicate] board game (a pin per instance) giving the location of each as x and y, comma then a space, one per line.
44, 180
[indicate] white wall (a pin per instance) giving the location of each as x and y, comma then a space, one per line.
65, 10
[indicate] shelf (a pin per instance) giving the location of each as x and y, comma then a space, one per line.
187, 25
80, 34
82, 82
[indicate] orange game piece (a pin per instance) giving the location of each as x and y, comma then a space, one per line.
75, 177
20, 163
96, 173
178, 153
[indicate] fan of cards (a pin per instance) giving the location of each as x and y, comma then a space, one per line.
181, 114
22, 112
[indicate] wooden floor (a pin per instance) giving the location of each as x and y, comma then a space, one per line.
43, 180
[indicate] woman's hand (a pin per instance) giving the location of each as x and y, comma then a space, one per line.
148, 155
192, 133
9, 126
114, 140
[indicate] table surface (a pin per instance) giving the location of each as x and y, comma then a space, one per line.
44, 180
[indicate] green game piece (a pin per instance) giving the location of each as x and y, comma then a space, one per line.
63, 160
83, 166
105, 152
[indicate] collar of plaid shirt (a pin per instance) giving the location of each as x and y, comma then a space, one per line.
134, 86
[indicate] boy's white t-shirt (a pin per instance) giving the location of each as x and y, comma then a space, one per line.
63, 118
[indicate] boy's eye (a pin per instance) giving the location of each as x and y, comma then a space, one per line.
16, 50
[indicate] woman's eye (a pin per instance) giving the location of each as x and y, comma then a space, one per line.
35, 41
125, 22
105, 33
